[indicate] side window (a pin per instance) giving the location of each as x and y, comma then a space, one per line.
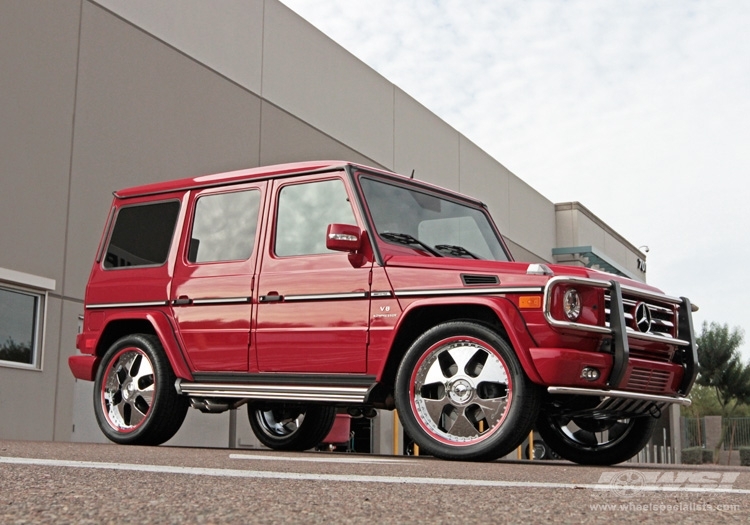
304, 213
224, 227
20, 320
142, 235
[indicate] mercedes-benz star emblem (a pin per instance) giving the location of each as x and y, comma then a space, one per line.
643, 317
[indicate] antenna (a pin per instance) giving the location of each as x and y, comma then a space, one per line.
412, 174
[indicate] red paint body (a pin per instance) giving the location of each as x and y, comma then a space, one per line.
345, 315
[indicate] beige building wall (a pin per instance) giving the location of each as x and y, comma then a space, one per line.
98, 95
578, 227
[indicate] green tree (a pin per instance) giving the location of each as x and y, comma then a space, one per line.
703, 403
720, 366
17, 352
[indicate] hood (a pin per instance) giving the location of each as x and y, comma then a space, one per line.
516, 269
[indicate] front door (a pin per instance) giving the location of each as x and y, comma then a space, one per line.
313, 303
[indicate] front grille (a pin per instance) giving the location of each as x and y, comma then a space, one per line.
662, 318
664, 355
648, 380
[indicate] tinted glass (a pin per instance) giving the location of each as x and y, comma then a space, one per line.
305, 211
142, 235
224, 227
449, 227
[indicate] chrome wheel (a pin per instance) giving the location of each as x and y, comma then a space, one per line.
290, 427
128, 390
135, 401
462, 394
280, 423
461, 391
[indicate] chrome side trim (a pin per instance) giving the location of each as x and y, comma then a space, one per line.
222, 300
684, 401
126, 305
338, 394
467, 291
325, 296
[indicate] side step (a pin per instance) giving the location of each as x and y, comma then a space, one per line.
325, 394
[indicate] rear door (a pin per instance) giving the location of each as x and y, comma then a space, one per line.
313, 304
212, 287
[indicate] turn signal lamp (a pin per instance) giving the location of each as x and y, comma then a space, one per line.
530, 301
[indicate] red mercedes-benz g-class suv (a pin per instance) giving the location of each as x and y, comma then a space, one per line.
310, 288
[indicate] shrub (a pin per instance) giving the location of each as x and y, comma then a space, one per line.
745, 456
699, 455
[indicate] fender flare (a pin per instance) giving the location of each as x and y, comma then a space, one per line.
508, 315
164, 331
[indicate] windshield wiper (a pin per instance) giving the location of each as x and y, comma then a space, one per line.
405, 238
456, 251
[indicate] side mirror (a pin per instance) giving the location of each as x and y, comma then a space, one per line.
343, 237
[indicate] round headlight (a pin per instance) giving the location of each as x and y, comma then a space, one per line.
572, 304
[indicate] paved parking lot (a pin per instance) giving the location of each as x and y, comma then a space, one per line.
86, 483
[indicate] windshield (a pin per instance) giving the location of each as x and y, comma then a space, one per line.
430, 222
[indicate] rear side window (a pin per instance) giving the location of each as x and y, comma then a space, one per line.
142, 235
224, 227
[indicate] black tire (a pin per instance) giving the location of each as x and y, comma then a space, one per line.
461, 393
135, 401
589, 441
290, 427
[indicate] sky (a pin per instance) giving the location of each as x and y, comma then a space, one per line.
640, 110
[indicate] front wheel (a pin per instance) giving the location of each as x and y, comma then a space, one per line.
590, 441
290, 427
461, 393
135, 401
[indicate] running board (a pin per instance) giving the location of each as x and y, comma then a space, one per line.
309, 393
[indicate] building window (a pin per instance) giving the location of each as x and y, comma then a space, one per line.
23, 299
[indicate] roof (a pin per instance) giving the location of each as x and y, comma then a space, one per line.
264, 172
230, 177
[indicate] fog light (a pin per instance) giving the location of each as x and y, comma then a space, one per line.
590, 373
572, 304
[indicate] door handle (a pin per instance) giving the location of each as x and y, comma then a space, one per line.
272, 297
182, 300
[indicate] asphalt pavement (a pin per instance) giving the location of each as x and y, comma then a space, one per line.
92, 483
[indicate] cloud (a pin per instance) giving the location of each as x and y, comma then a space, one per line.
638, 109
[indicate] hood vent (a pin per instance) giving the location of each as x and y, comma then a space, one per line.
475, 280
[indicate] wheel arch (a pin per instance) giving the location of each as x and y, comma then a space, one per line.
149, 322
498, 314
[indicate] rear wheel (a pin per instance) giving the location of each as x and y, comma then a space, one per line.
290, 427
540, 450
134, 397
462, 394
590, 441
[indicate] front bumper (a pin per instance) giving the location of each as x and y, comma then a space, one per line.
618, 403
620, 333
